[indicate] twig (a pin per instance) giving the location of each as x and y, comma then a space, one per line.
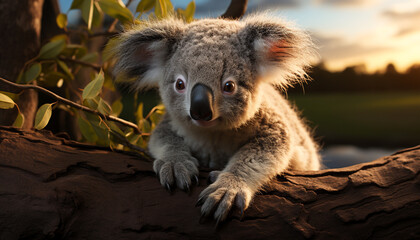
126, 143
94, 66
71, 103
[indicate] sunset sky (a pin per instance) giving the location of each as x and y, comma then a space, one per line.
348, 32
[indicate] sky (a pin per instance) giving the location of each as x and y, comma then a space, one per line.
347, 32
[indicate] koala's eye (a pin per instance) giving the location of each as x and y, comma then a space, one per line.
179, 84
229, 87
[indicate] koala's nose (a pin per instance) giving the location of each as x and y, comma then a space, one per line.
201, 103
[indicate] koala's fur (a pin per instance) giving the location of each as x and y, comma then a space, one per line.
254, 133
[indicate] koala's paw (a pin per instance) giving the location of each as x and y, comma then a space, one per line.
219, 197
176, 171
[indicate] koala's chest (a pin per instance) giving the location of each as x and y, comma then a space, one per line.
214, 150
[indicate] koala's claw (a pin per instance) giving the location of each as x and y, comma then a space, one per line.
187, 187
197, 182
168, 187
219, 198
199, 203
213, 176
175, 173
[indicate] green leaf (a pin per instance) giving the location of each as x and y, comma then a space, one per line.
115, 128
52, 49
189, 11
103, 107
74, 50
86, 7
139, 113
116, 9
31, 74
6, 102
97, 15
61, 20
90, 57
92, 102
59, 37
87, 130
99, 128
20, 119
145, 5
94, 88
117, 107
76, 4
169, 6
109, 49
65, 68
160, 9
43, 116
51, 79
13, 96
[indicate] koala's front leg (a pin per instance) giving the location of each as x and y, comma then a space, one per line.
173, 161
251, 167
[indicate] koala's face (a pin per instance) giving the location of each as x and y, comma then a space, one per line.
210, 81
211, 73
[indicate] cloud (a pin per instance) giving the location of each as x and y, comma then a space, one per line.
215, 8
260, 5
336, 48
407, 22
346, 3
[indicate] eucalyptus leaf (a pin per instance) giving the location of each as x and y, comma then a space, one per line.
52, 49
103, 107
87, 130
116, 9
117, 107
189, 11
86, 7
20, 119
31, 74
160, 9
90, 57
76, 4
43, 116
145, 5
99, 128
94, 88
6, 102
61, 20
65, 69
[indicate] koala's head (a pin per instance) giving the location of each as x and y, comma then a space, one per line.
211, 73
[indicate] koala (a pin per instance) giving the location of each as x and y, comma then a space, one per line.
219, 81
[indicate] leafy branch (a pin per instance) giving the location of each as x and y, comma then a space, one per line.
71, 103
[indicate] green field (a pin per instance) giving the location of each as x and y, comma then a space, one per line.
384, 119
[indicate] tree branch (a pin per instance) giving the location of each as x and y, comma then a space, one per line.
71, 103
86, 64
236, 9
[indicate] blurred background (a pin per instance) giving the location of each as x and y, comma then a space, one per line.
364, 100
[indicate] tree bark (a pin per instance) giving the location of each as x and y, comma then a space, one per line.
55, 188
21, 24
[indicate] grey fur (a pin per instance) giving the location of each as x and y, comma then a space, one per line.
254, 134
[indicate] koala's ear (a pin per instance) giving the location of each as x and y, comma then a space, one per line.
281, 53
142, 53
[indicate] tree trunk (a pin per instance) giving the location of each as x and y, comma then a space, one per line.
21, 26
55, 188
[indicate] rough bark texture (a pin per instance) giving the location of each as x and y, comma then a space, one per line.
55, 188
21, 26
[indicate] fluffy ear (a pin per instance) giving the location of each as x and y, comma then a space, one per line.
142, 52
281, 53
